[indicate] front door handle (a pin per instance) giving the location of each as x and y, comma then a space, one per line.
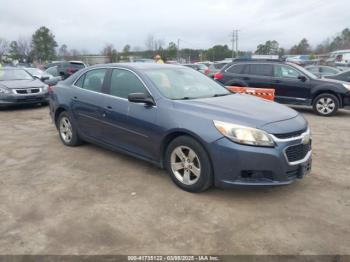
109, 107
75, 98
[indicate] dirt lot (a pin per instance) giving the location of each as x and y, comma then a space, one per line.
60, 200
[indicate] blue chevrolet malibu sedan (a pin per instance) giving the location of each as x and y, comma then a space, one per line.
185, 122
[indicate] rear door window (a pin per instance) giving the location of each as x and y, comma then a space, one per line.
261, 69
235, 69
92, 80
283, 71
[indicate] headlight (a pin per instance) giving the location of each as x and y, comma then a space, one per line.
244, 135
4, 90
44, 88
347, 86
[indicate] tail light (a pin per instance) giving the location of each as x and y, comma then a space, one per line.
218, 76
70, 70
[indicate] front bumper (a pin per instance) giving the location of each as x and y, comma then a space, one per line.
15, 99
346, 100
241, 165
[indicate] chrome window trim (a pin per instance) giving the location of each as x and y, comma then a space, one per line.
114, 67
288, 78
301, 136
247, 63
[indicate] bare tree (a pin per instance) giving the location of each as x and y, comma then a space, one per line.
150, 42
4, 46
63, 51
111, 52
24, 48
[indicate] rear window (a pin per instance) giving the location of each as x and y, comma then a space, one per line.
77, 65
260, 69
219, 66
236, 69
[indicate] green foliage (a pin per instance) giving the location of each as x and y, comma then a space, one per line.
44, 44
126, 50
303, 48
171, 51
269, 48
13, 51
217, 53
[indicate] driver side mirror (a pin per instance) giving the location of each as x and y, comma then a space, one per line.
44, 78
141, 98
302, 78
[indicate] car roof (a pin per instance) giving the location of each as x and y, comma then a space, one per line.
137, 66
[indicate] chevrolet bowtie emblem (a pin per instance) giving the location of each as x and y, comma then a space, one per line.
306, 139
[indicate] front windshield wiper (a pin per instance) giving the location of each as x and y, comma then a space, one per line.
226, 94
184, 98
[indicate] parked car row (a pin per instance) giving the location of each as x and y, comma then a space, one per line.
17, 86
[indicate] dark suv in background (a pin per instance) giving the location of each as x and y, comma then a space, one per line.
292, 83
66, 68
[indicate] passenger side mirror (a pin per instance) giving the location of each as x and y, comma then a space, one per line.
141, 98
302, 78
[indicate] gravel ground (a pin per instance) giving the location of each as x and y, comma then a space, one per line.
88, 200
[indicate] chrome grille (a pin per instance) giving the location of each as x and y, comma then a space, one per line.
297, 152
26, 91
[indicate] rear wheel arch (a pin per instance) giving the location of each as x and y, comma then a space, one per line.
57, 113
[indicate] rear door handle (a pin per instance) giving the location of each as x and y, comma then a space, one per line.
278, 81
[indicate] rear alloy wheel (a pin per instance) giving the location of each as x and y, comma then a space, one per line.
67, 131
188, 164
326, 104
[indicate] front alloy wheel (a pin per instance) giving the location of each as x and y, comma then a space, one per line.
188, 164
185, 165
326, 104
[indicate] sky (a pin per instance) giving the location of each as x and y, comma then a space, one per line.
90, 24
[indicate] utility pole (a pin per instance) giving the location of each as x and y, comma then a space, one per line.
234, 43
237, 43
178, 50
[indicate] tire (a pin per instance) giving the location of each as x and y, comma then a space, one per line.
325, 104
188, 165
67, 130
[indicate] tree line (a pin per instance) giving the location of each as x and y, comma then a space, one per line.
42, 47
341, 41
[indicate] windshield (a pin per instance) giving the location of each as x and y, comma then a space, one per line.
183, 83
306, 72
34, 71
14, 74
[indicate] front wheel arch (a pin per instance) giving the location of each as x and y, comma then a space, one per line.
172, 136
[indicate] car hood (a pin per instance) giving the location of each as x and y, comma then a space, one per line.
21, 83
245, 110
330, 80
